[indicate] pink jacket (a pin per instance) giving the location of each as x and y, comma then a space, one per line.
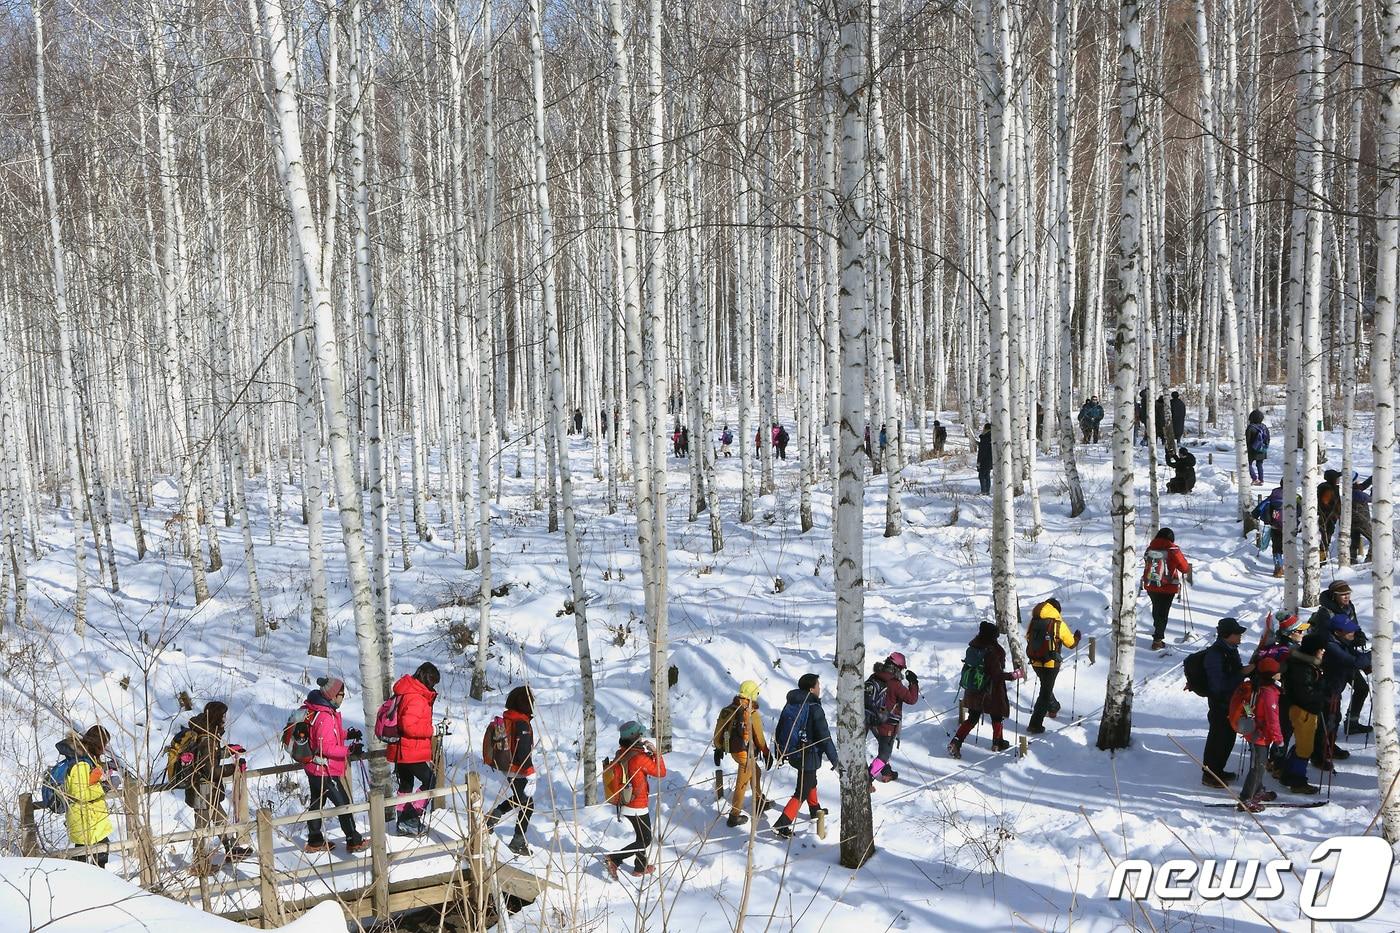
1267, 728
327, 738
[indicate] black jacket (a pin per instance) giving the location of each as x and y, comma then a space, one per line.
1178, 417
984, 451
819, 743
1223, 669
1302, 682
1341, 662
1184, 463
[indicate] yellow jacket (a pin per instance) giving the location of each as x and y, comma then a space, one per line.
88, 820
1060, 635
730, 732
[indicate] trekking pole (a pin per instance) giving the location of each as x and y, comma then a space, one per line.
1186, 604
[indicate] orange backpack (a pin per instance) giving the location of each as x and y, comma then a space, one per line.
1242, 709
617, 789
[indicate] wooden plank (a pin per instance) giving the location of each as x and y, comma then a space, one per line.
271, 908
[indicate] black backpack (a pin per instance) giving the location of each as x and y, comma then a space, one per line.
1195, 668
876, 714
1040, 638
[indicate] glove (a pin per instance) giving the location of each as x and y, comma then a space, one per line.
237, 749
835, 765
356, 748
354, 735
719, 756
1078, 635
242, 764
767, 760
912, 678
1017, 674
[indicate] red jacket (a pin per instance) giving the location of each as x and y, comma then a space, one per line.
897, 693
522, 743
415, 742
637, 766
1267, 729
1177, 564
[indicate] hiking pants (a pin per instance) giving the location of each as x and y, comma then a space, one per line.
747, 777
1256, 469
1161, 608
1304, 736
1220, 740
884, 751
1254, 782
984, 481
420, 773
330, 792
974, 716
641, 842
1327, 725
95, 854
806, 790
208, 803
1360, 690
1045, 702
521, 800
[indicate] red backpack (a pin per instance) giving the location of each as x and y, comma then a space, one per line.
496, 745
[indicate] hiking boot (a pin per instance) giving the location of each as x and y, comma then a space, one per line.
1210, 780
1340, 754
237, 853
359, 845
785, 831
643, 872
1357, 728
1250, 806
493, 818
815, 812
318, 845
1321, 764
955, 748
1228, 776
410, 827
1035, 730
1278, 572
737, 819
518, 845
886, 776
1053, 713
1158, 644
1302, 787
1000, 745
611, 864
1266, 796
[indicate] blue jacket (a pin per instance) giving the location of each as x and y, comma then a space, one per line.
1223, 669
819, 743
1341, 663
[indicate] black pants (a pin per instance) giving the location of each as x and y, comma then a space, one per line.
1161, 607
523, 804
330, 791
420, 773
984, 480
1220, 740
1360, 690
95, 854
641, 842
1045, 702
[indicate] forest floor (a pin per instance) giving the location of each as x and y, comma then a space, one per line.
987, 842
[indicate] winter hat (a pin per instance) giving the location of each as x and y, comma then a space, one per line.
1229, 626
332, 688
521, 700
749, 690
1341, 622
1331, 476
1166, 533
988, 630
807, 681
1340, 588
1268, 665
1292, 625
630, 732
897, 659
1313, 642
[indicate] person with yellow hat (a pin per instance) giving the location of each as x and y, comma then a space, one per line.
739, 731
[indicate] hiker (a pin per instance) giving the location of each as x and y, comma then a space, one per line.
676, 440
984, 460
1090, 414
1329, 512
1140, 415
638, 760
884, 441
1336, 599
1360, 516
984, 688
803, 740
781, 442
520, 773
685, 441
726, 440
325, 770
412, 753
1184, 462
887, 689
739, 732
1346, 661
1159, 417
868, 455
1178, 412
1164, 568
603, 422
1270, 512
578, 420
1045, 636
758, 443
940, 437
1266, 732
84, 788
1256, 442
203, 741
1224, 673
1289, 633
1303, 690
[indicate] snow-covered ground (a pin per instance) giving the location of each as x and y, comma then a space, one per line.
983, 843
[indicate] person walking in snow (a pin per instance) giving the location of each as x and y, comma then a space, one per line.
84, 790
1178, 412
1360, 516
685, 441
940, 437
984, 683
325, 770
578, 421
1270, 512
639, 761
1306, 696
1346, 660
726, 440
676, 440
803, 739
1090, 414
1329, 511
739, 732
984, 460
1224, 673
1184, 463
781, 442
411, 753
1266, 733
207, 772
520, 773
1046, 637
1256, 442
887, 689
1164, 567
1336, 599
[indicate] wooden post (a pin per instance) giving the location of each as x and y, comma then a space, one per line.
1093, 650
378, 856
137, 830
28, 829
476, 846
267, 872
719, 783
1023, 747
821, 823
240, 802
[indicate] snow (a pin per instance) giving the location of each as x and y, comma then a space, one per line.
986, 842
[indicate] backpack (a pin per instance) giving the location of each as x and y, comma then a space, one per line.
1040, 638
974, 670
1257, 439
179, 758
296, 736
876, 692
616, 788
730, 718
1155, 571
386, 721
1242, 709
1195, 668
790, 736
495, 745
51, 793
